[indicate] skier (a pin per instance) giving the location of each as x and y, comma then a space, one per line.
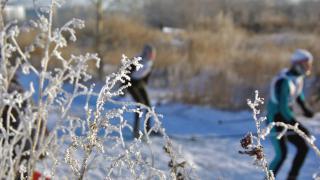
139, 79
286, 88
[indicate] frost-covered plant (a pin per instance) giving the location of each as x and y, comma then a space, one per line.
78, 142
316, 176
252, 144
177, 166
26, 143
256, 149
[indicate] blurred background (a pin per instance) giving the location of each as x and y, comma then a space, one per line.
211, 57
209, 52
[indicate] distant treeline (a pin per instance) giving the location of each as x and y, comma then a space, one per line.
254, 15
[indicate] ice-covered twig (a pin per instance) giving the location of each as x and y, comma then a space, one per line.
255, 112
256, 150
309, 139
77, 139
252, 148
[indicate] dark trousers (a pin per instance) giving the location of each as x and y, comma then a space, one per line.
139, 94
280, 146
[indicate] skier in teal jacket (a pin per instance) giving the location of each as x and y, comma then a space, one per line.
287, 88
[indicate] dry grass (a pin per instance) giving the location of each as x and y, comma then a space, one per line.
217, 62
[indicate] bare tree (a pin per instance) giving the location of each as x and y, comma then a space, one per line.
2, 6
99, 7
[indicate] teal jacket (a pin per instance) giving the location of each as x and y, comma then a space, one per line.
286, 88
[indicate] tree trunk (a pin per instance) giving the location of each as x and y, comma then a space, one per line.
99, 29
2, 6
1, 18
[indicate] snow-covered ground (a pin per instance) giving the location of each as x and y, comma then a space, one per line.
210, 140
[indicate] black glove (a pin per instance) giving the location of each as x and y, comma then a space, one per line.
308, 113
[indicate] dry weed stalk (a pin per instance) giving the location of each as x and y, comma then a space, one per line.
252, 144
78, 141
